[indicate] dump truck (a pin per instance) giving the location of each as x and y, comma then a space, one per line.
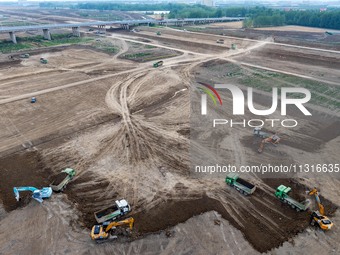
26, 55
62, 179
220, 41
239, 184
43, 61
158, 64
114, 212
258, 132
282, 193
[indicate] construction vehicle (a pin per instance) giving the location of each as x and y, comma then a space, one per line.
239, 184
37, 194
273, 139
62, 179
119, 209
43, 61
158, 33
233, 46
33, 100
26, 55
282, 193
221, 41
158, 64
107, 230
258, 132
318, 217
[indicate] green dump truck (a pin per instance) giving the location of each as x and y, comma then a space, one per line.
43, 61
158, 64
239, 184
26, 55
62, 179
282, 193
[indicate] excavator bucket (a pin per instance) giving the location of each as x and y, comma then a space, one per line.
16, 193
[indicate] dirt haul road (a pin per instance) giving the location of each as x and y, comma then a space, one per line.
127, 135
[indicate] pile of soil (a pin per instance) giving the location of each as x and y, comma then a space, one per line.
57, 179
260, 236
21, 169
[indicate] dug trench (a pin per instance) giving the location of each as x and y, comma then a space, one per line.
265, 222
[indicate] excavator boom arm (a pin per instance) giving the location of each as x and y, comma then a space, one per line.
317, 198
16, 191
128, 221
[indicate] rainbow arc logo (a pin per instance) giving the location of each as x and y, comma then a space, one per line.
210, 91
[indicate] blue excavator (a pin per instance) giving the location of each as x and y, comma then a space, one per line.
37, 194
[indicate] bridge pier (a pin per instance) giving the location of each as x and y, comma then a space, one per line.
125, 26
75, 31
101, 27
47, 34
13, 37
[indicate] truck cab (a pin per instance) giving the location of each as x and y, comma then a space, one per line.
282, 191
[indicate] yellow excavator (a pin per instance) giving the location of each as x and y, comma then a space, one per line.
101, 233
318, 217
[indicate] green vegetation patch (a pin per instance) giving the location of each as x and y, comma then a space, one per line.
323, 94
38, 41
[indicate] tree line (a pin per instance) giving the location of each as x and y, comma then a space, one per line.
256, 16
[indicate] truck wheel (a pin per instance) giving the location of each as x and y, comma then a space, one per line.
297, 209
293, 206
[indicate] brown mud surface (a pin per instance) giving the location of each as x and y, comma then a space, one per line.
21, 169
57, 179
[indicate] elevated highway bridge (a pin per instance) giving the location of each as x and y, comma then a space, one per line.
124, 24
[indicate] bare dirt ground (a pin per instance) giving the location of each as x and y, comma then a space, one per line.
127, 129
296, 28
223, 25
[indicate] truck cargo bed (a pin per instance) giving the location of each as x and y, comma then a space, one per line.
106, 211
59, 178
245, 183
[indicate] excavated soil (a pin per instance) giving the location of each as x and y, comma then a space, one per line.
127, 137
21, 169
260, 235
57, 179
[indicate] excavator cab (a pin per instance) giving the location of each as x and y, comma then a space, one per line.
322, 221
100, 233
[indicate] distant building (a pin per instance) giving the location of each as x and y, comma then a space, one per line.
208, 2
323, 9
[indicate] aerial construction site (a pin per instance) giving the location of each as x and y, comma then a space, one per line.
105, 147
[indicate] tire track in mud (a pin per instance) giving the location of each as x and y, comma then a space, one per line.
146, 145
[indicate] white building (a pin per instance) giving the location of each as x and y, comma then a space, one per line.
208, 2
